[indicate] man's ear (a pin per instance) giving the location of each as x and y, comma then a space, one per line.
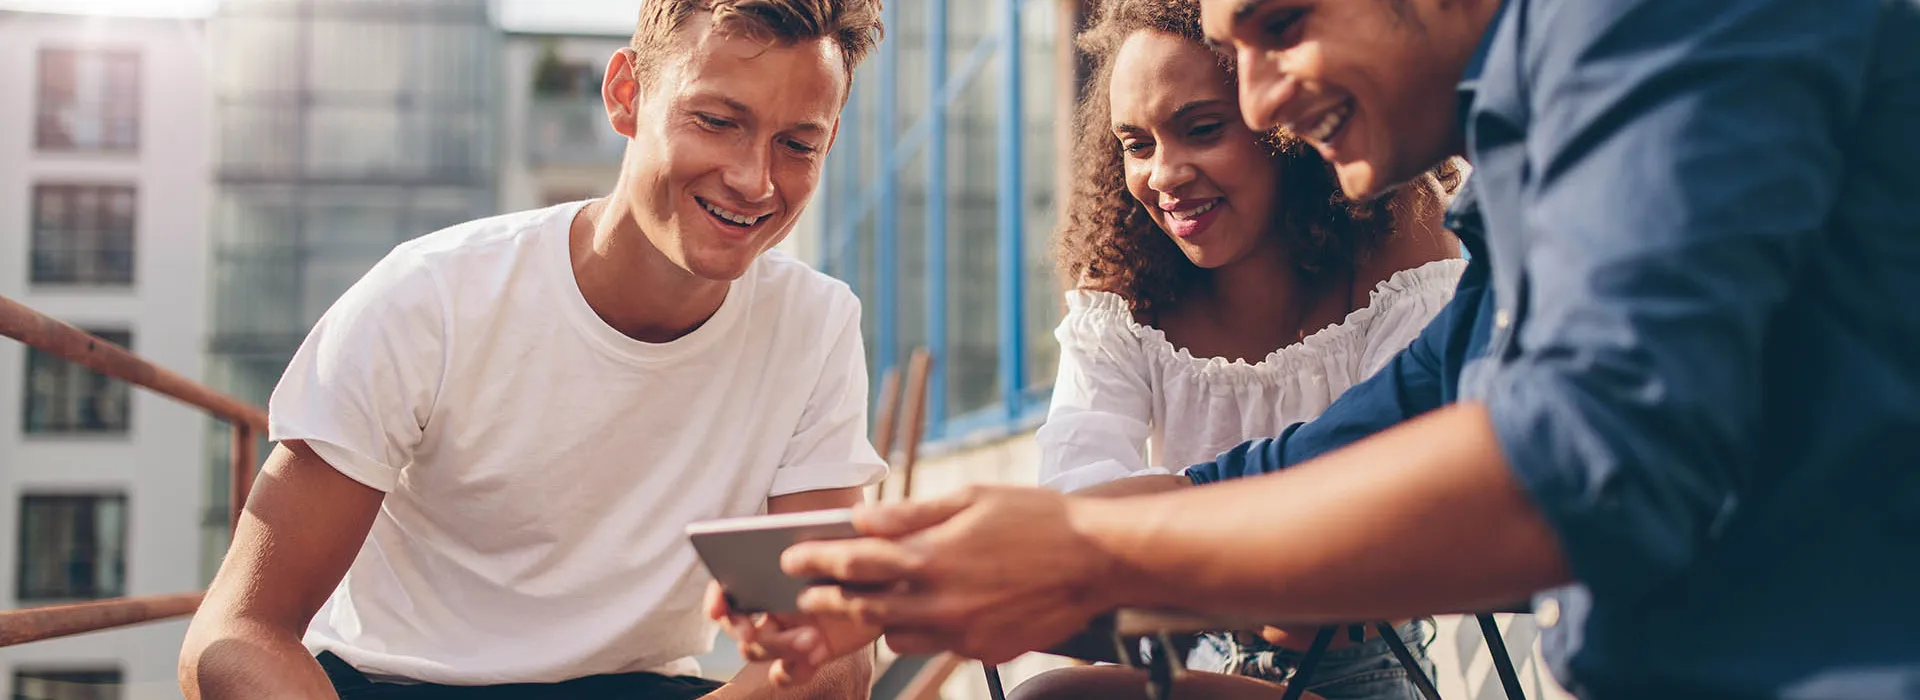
620, 91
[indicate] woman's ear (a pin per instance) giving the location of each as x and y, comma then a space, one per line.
620, 90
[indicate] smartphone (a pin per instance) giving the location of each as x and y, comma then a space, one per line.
743, 554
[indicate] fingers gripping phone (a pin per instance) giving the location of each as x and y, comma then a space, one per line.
743, 554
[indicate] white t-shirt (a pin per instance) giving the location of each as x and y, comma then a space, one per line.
1128, 402
539, 466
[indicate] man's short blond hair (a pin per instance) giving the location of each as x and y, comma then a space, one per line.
853, 25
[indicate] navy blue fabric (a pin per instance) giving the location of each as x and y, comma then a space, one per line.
1696, 326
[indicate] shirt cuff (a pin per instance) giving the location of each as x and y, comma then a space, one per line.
823, 477
1095, 474
366, 470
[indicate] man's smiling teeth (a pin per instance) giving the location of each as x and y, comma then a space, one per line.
740, 219
1329, 124
1193, 213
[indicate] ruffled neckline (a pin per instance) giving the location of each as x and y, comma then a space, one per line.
1342, 339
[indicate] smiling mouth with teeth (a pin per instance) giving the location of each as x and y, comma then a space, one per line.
1194, 213
1329, 124
728, 217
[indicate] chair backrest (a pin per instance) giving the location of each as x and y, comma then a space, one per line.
902, 420
883, 422
919, 369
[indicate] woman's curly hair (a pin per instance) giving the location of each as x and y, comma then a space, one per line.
1107, 240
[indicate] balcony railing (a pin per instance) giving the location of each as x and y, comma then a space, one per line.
38, 331
571, 131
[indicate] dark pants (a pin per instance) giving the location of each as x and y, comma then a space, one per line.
351, 684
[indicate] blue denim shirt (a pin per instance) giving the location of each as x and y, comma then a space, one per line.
1696, 326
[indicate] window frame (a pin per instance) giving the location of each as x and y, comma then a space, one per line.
30, 395
28, 546
104, 232
47, 104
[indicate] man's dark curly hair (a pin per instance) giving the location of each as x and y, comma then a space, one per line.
1107, 241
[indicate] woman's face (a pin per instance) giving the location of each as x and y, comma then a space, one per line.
1190, 159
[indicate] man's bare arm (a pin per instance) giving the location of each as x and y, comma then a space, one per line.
1337, 538
303, 524
1136, 486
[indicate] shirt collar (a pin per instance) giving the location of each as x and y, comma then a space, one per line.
1470, 80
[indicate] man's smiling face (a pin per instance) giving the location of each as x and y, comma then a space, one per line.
1370, 83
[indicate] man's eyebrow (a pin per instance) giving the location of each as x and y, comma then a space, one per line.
1246, 7
1239, 14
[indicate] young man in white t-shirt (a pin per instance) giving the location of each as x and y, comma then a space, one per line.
491, 444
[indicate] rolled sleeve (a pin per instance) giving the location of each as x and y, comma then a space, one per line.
362, 385
1682, 155
829, 448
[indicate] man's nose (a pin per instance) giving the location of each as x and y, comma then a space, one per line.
750, 176
1265, 89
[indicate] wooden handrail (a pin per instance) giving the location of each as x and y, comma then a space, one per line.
42, 332
49, 622
80, 347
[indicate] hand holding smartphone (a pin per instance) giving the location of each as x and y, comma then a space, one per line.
743, 554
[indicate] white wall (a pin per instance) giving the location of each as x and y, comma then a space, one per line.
159, 465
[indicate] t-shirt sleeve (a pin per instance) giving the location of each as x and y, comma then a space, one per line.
362, 384
829, 448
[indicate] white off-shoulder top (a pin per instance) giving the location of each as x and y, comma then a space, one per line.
1127, 402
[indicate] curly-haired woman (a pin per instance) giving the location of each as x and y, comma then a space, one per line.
1225, 290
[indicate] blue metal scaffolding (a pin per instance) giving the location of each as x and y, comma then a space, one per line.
848, 202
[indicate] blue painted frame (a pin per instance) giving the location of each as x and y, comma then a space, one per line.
847, 202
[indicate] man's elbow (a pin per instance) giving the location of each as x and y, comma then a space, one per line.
224, 657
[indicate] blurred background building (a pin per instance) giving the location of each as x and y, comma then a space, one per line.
345, 127
202, 186
104, 205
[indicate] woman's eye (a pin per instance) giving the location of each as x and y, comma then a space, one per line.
1135, 147
1204, 130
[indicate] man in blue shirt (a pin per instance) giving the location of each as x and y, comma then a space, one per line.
1679, 390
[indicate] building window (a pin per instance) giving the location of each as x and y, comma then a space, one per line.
83, 234
74, 684
89, 100
72, 547
66, 398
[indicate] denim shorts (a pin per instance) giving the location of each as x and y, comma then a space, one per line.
1364, 671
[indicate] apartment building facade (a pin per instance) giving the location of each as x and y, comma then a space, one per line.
103, 215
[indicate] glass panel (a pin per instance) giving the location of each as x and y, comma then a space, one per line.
89, 100
863, 277
83, 234
1044, 123
272, 47
67, 684
72, 547
913, 23
66, 398
910, 265
973, 330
